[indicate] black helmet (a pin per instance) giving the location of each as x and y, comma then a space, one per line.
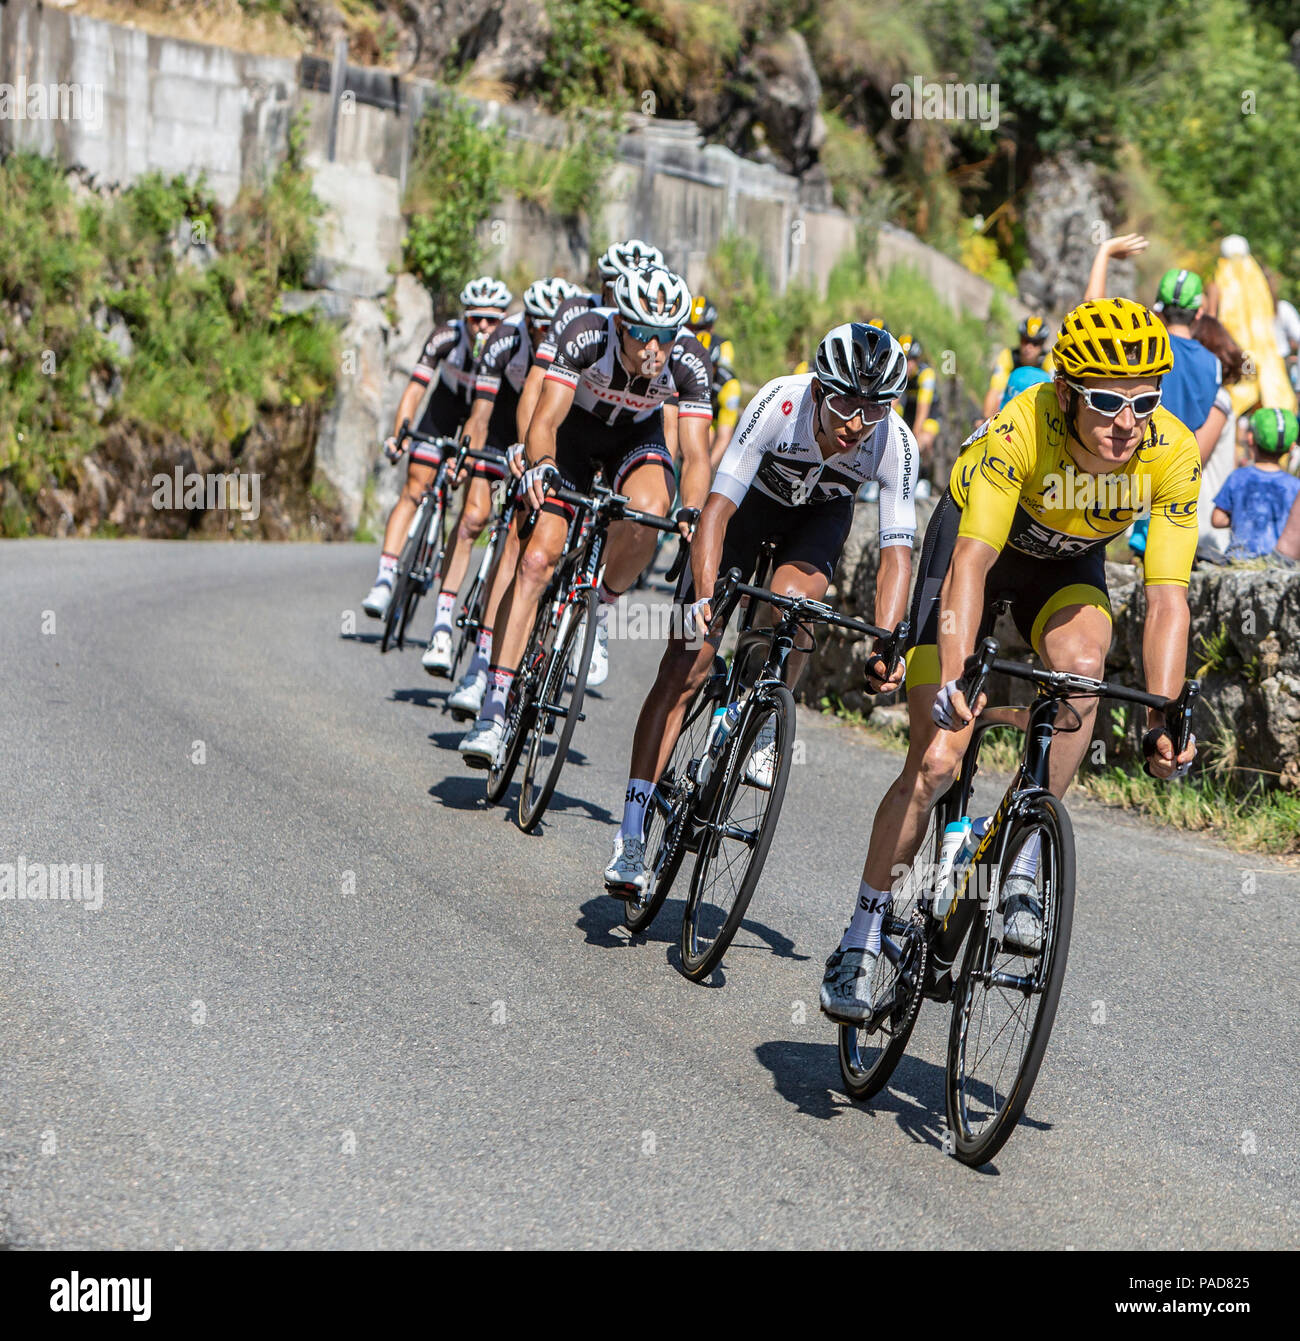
860, 360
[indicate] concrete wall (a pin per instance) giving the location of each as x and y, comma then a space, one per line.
147, 103
186, 107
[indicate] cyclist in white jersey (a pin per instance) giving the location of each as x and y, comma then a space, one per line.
809, 442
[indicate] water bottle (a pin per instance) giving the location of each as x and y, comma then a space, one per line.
960, 841
724, 723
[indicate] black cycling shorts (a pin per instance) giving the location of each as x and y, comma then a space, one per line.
813, 533
442, 418
584, 445
1036, 587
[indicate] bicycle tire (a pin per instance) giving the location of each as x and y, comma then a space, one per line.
518, 705
1048, 816
865, 1075
698, 961
532, 804
411, 549
664, 864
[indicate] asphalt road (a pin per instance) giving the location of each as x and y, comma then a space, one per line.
332, 1000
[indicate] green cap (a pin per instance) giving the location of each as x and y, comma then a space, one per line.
1180, 288
1274, 430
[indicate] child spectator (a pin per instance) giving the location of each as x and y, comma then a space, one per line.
1256, 499
1217, 437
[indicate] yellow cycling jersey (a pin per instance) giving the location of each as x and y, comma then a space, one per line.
1006, 365
1017, 484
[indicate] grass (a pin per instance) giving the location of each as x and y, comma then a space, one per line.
1245, 816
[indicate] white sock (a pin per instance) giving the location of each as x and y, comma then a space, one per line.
634, 807
446, 604
1026, 862
500, 678
387, 567
482, 652
863, 930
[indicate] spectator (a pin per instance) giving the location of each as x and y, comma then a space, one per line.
1256, 499
1217, 437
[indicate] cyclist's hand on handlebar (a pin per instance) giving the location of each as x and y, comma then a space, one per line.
881, 680
698, 617
392, 450
951, 712
1158, 746
686, 519
534, 481
515, 460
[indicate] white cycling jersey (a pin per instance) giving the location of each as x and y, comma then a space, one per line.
776, 453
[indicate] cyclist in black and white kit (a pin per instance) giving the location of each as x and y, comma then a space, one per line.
807, 444
498, 379
603, 406
448, 362
619, 258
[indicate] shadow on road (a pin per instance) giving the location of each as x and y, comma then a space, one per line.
361, 637
808, 1076
422, 698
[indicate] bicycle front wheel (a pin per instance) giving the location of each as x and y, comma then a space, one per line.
669, 814
554, 720
407, 562
737, 833
1006, 1002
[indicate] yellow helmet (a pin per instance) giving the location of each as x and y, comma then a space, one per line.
1112, 337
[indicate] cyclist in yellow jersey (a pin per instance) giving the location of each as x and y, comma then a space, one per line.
1028, 353
1032, 501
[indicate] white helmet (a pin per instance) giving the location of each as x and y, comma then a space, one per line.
543, 296
486, 292
629, 255
653, 296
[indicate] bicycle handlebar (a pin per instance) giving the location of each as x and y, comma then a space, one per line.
732, 588
606, 502
1064, 684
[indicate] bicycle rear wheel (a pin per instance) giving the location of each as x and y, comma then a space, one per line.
869, 1052
549, 732
736, 836
1006, 1003
669, 814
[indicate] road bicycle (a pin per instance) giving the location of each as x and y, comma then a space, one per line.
544, 705
1003, 1001
704, 803
420, 563
472, 619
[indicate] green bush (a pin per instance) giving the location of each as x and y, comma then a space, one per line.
456, 177
209, 350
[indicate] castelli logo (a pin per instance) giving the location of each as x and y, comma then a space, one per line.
786, 406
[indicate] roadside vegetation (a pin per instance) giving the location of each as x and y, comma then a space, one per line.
153, 312
1233, 806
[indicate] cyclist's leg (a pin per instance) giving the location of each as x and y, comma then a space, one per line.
474, 514
648, 484
806, 554
420, 471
